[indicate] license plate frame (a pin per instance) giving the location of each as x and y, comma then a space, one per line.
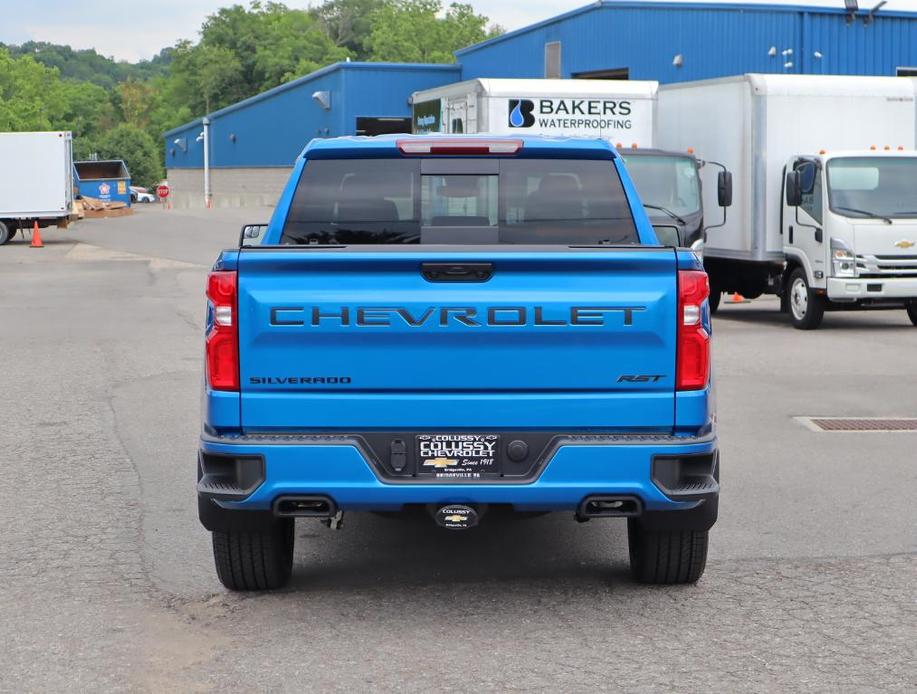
458, 455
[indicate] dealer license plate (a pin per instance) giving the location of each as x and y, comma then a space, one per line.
459, 456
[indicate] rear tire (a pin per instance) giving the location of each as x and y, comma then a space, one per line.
666, 557
6, 232
912, 311
807, 309
259, 560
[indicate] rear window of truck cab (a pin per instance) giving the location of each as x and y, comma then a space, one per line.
459, 200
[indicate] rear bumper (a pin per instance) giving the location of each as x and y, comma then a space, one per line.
872, 288
339, 468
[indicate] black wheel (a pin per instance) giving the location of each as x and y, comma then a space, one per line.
666, 556
261, 560
6, 232
912, 311
806, 307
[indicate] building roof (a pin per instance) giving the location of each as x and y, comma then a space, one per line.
772, 6
305, 79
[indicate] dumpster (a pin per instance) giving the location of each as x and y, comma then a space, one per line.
108, 181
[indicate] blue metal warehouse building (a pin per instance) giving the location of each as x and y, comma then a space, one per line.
677, 42
253, 142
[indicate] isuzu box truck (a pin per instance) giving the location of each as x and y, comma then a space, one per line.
825, 208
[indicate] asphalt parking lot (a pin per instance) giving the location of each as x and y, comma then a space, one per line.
107, 577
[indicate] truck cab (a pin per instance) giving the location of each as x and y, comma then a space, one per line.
849, 226
669, 184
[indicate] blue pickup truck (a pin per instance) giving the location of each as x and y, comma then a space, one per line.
457, 324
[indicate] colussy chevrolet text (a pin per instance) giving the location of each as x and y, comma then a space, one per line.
456, 324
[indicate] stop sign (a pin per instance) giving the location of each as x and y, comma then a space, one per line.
162, 191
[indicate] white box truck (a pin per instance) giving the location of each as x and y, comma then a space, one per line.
825, 207
36, 181
620, 111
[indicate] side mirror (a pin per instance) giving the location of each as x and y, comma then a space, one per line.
667, 235
793, 189
724, 188
251, 234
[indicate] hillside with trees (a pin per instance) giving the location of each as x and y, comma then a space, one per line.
120, 109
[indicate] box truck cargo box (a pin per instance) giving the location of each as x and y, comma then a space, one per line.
36, 180
754, 123
620, 111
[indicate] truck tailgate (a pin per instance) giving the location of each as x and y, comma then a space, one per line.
560, 339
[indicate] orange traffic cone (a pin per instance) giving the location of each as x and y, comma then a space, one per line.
36, 237
737, 299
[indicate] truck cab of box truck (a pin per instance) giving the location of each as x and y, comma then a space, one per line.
849, 227
669, 184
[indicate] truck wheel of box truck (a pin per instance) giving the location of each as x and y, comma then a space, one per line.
255, 559
6, 231
806, 307
912, 311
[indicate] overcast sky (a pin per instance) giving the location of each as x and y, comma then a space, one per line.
132, 31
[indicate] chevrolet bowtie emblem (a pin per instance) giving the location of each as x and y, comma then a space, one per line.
440, 463
905, 243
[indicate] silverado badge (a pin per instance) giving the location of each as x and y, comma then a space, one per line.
905, 243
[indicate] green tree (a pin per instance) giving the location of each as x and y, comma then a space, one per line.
297, 46
414, 31
245, 50
349, 23
135, 100
24, 86
136, 148
167, 110
81, 107
206, 76
88, 66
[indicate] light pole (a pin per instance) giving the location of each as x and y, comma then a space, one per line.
208, 197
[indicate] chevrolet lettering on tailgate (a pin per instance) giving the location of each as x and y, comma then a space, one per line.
443, 316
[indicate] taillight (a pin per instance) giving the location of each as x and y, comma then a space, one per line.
693, 361
222, 331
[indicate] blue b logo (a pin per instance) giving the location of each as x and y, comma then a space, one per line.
520, 113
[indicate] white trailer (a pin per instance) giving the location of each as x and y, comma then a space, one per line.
621, 111
36, 180
792, 243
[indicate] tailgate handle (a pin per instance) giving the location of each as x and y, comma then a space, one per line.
457, 272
